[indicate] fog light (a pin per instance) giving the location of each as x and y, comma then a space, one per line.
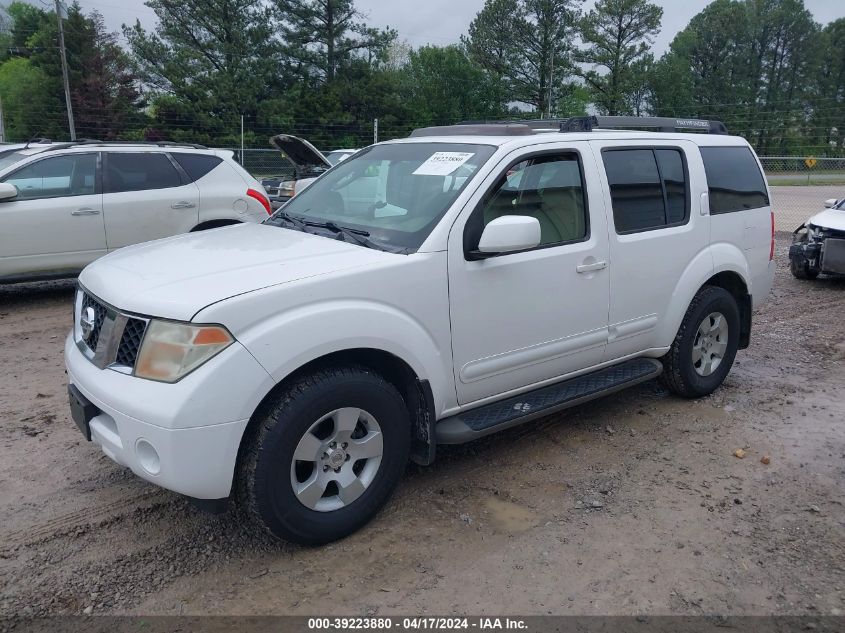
148, 457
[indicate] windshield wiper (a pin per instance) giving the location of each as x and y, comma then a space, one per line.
359, 236
290, 219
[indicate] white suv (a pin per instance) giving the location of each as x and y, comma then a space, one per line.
63, 205
499, 273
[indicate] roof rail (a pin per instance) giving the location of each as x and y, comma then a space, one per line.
91, 141
660, 124
504, 128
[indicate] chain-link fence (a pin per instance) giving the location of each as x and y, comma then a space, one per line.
801, 185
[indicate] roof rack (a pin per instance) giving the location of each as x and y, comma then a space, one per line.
91, 141
573, 124
660, 124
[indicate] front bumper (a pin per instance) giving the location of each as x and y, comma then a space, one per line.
827, 255
194, 426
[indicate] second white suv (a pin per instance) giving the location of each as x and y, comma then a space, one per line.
63, 205
497, 273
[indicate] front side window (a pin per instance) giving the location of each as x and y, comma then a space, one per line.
549, 188
137, 171
734, 179
58, 176
648, 188
395, 193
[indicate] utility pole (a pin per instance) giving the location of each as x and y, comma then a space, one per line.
59, 10
375, 131
2, 124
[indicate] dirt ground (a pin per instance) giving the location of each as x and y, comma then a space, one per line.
634, 504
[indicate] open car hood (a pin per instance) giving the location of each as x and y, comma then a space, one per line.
300, 152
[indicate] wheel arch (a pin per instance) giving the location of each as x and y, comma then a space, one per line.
720, 265
416, 392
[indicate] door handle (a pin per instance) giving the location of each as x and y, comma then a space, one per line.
85, 211
591, 268
183, 205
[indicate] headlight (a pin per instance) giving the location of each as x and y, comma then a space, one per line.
288, 188
171, 350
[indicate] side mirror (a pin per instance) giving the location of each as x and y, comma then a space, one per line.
508, 234
7, 191
829, 204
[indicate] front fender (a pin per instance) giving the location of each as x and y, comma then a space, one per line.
293, 338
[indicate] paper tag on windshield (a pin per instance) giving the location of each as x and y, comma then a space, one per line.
443, 163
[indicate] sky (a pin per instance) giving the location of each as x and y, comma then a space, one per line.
442, 22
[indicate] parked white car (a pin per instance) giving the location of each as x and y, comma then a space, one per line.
819, 244
296, 365
63, 205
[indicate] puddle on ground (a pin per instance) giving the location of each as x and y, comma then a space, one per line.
510, 517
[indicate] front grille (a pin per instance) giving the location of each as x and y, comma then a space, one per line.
99, 317
130, 342
114, 339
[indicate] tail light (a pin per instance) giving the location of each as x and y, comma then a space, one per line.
265, 202
772, 248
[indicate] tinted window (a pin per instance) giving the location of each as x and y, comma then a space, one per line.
549, 188
674, 182
127, 171
648, 188
69, 175
197, 165
734, 179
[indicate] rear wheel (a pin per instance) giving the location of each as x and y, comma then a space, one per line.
706, 344
326, 456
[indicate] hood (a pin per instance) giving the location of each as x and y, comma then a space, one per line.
829, 219
176, 277
300, 152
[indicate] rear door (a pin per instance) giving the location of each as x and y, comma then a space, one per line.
657, 227
146, 196
55, 224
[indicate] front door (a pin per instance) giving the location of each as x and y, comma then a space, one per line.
522, 318
55, 223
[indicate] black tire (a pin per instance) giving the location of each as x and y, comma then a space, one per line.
679, 372
801, 269
265, 489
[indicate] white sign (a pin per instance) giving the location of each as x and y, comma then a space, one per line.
443, 163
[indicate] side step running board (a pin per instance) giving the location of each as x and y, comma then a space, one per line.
490, 418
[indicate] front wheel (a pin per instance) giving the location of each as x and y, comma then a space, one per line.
706, 344
326, 456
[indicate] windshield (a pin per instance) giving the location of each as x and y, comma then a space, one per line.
840, 204
395, 193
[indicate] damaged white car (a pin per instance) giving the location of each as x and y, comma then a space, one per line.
819, 244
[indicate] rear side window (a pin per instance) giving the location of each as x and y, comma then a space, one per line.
734, 179
196, 165
648, 188
128, 171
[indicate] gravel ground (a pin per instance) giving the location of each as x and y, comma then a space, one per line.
634, 504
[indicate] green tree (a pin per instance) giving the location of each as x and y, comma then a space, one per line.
28, 106
826, 126
321, 37
527, 46
214, 59
618, 35
749, 63
432, 75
